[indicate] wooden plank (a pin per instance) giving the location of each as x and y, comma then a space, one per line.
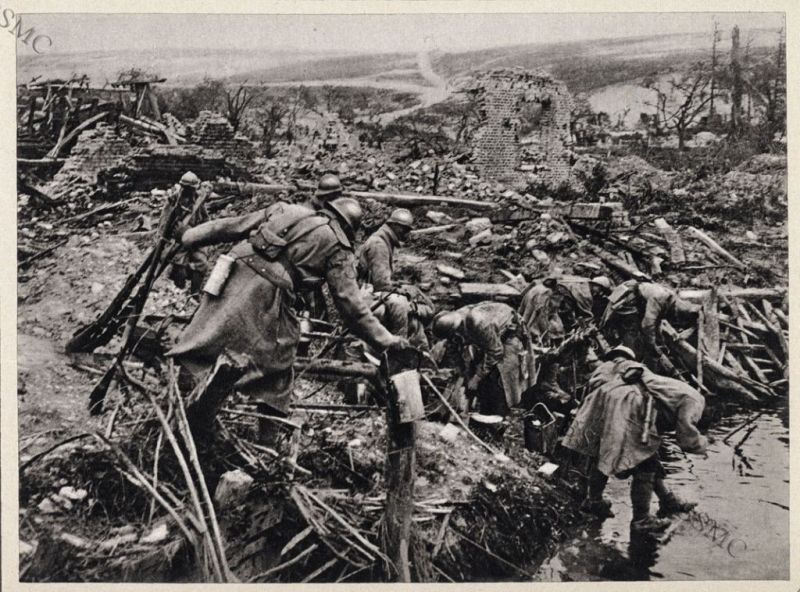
676, 252
487, 291
719, 378
422, 200
700, 346
734, 292
715, 247
627, 270
711, 341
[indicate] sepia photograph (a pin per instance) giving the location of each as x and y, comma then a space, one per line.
410, 297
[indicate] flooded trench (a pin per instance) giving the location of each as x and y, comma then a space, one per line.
739, 530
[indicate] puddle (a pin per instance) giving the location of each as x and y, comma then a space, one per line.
739, 530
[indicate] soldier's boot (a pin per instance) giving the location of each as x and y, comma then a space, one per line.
668, 502
641, 495
595, 503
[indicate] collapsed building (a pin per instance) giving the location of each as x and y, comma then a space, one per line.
524, 135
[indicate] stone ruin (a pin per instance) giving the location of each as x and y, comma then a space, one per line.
212, 130
524, 133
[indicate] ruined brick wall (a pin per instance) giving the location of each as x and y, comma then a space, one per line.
212, 130
500, 153
159, 164
96, 149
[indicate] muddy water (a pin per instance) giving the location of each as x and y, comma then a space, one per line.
739, 530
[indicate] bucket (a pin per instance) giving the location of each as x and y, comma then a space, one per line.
409, 395
489, 428
540, 430
219, 275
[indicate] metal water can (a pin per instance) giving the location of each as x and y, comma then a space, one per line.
219, 275
540, 429
409, 395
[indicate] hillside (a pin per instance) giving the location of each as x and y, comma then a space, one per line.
584, 65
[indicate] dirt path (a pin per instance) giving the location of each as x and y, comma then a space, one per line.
436, 91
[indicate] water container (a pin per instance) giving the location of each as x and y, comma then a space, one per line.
409, 395
219, 275
540, 429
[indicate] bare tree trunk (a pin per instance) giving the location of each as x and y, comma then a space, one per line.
736, 85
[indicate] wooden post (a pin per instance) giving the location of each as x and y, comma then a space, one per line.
700, 345
400, 475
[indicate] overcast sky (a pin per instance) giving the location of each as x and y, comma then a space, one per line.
372, 33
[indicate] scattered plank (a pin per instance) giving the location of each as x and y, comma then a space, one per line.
676, 252
487, 291
629, 271
422, 200
716, 248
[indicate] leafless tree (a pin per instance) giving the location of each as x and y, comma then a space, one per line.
681, 100
271, 115
236, 103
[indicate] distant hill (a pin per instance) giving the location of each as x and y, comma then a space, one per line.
583, 65
607, 70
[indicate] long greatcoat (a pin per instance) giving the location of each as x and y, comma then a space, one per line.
255, 315
610, 422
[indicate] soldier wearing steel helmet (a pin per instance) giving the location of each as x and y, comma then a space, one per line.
618, 426
328, 189
376, 255
403, 309
494, 353
189, 264
282, 251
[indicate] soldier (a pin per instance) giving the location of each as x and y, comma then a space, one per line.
633, 317
405, 311
191, 264
618, 425
554, 306
551, 309
497, 353
376, 255
290, 250
405, 307
328, 189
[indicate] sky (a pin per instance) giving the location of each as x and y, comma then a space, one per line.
364, 33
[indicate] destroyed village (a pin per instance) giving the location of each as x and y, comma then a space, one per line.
513, 313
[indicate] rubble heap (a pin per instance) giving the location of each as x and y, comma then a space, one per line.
96, 150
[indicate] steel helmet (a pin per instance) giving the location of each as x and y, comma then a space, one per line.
401, 217
620, 350
603, 282
446, 323
328, 185
189, 179
348, 210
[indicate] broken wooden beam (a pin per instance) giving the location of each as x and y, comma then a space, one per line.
326, 367
676, 252
629, 271
734, 292
403, 199
488, 291
100, 210
40, 161
717, 376
716, 248
224, 187
440, 228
